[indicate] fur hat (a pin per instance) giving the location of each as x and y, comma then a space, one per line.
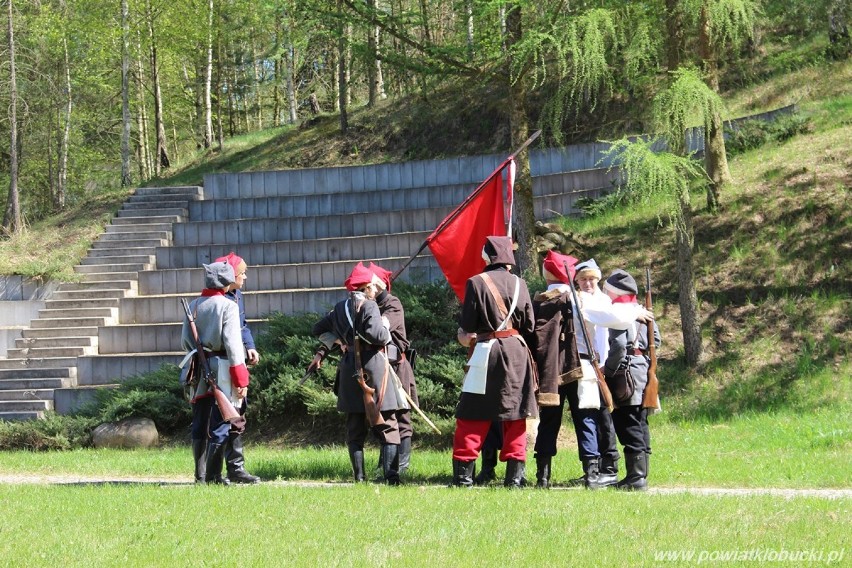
554, 267
498, 250
620, 283
237, 263
383, 274
588, 268
360, 277
218, 275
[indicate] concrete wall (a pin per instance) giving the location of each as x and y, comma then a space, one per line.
15, 316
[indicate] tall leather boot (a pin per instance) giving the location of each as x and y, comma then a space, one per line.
489, 462
542, 471
463, 473
404, 455
215, 460
608, 474
199, 454
637, 472
389, 456
356, 457
235, 461
592, 468
515, 474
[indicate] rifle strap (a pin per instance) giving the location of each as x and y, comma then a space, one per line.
506, 314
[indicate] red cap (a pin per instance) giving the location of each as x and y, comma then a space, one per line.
360, 276
383, 274
555, 262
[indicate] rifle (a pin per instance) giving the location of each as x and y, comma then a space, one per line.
315, 363
607, 396
651, 396
226, 409
374, 415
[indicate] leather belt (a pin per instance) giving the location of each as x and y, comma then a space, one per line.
638, 352
585, 356
480, 337
223, 354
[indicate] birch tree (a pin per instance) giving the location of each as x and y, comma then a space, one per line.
12, 219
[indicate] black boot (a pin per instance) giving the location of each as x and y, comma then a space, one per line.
215, 460
608, 474
542, 471
404, 455
489, 461
637, 472
389, 456
235, 461
463, 473
199, 454
356, 456
515, 474
592, 468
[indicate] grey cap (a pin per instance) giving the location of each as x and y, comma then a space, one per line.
620, 283
218, 275
590, 267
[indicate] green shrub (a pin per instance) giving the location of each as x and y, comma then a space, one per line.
54, 432
752, 134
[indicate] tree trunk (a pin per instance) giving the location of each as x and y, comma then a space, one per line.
715, 159
220, 135
372, 62
207, 138
125, 95
258, 81
292, 104
716, 162
62, 166
687, 297
674, 34
424, 20
162, 160
468, 12
142, 117
839, 43
342, 72
524, 216
12, 220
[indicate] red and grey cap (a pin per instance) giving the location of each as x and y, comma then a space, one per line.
232, 259
554, 267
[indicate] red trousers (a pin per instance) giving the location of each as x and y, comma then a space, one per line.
470, 435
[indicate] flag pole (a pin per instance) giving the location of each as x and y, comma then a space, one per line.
464, 203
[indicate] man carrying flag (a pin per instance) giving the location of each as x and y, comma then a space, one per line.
497, 319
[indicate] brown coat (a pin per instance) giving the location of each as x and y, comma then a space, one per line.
511, 384
555, 347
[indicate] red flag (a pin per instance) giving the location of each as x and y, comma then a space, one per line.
457, 242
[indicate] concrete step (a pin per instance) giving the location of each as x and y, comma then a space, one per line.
94, 302
308, 228
329, 203
58, 342
189, 191
96, 284
284, 276
128, 263
91, 295
59, 333
36, 363
78, 313
296, 252
149, 338
149, 204
163, 220
8, 406
42, 353
92, 277
9, 375
127, 235
153, 212
141, 227
21, 416
128, 243
111, 369
27, 394
110, 253
65, 323
164, 309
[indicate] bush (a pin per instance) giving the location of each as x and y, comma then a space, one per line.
54, 432
752, 134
